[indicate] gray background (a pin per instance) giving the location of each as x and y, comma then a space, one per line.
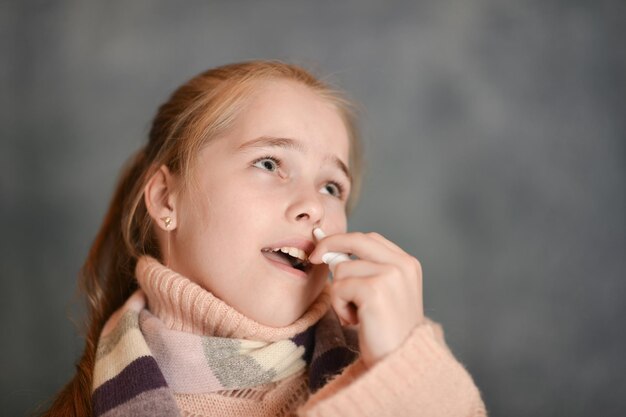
495, 133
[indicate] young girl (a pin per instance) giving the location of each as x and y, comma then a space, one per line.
208, 288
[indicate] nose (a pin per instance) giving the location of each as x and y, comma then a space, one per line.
306, 206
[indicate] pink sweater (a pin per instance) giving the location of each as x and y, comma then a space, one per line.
420, 378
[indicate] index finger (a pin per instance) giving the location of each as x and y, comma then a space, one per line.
356, 243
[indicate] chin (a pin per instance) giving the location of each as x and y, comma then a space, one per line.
284, 303
281, 316
279, 313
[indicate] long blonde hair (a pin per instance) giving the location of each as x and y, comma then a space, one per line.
195, 113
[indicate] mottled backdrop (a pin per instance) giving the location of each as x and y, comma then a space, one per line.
495, 134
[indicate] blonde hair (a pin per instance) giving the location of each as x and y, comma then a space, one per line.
195, 113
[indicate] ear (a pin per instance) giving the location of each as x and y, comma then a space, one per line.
160, 198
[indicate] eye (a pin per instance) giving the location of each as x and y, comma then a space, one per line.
333, 188
268, 163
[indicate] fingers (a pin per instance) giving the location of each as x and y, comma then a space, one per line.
348, 296
348, 275
357, 268
366, 246
392, 246
381, 291
359, 285
371, 246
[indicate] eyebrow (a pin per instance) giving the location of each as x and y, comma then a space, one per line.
293, 144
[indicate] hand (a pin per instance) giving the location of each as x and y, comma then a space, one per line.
381, 291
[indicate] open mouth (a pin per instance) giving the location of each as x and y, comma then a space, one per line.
293, 257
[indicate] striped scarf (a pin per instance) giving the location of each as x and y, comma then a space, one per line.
140, 362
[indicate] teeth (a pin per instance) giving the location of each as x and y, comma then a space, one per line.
295, 252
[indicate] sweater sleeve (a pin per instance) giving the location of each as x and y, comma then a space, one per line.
420, 378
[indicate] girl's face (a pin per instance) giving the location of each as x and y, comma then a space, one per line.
265, 184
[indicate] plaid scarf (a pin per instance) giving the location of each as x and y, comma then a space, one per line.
140, 363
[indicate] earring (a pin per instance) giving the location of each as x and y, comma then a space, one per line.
167, 220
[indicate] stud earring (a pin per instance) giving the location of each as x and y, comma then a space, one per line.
167, 220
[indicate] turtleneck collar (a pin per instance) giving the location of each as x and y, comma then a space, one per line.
183, 305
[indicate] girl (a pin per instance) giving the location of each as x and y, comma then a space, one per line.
207, 286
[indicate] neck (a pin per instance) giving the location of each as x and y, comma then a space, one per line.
183, 305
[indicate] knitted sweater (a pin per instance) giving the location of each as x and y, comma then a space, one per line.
420, 378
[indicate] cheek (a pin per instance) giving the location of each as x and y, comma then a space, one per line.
232, 218
335, 220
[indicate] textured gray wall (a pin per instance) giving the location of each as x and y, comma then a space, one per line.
496, 148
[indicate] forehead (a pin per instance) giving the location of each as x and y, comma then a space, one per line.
281, 108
